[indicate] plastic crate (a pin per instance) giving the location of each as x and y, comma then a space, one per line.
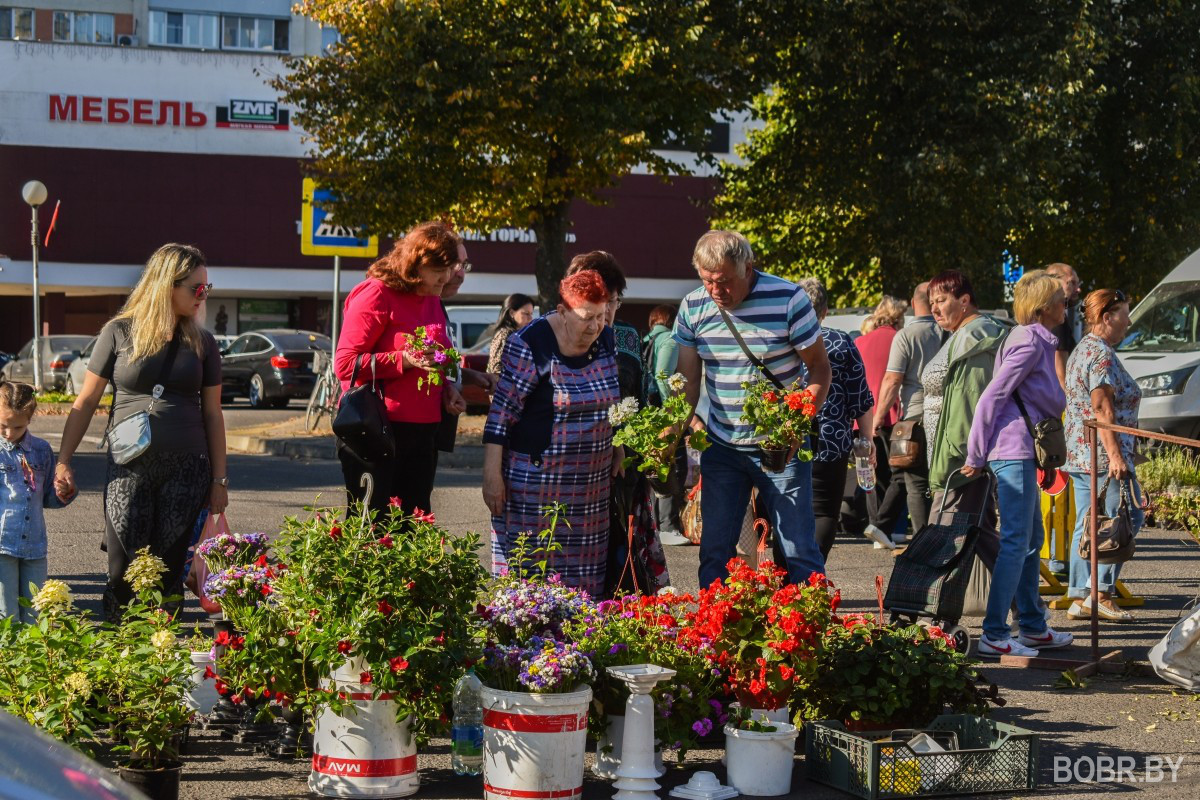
989, 757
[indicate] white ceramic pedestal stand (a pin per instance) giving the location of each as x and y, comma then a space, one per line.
636, 775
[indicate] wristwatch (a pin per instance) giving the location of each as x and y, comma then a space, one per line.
222, 481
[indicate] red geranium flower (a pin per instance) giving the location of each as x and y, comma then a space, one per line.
770, 397
344, 647
794, 401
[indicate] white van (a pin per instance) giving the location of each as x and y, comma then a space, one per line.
1162, 351
470, 324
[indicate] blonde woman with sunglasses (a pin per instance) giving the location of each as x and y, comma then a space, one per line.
154, 499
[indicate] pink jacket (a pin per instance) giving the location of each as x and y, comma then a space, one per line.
376, 318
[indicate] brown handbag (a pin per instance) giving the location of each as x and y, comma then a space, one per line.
1115, 542
905, 444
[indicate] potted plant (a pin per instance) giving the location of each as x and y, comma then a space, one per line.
874, 677
654, 433
759, 754
535, 677
48, 671
147, 670
761, 633
782, 417
380, 609
645, 630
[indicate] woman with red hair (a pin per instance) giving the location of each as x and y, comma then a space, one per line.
402, 292
548, 439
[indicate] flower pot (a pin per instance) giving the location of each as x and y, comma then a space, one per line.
772, 715
533, 744
607, 762
366, 753
774, 459
160, 783
760, 764
202, 694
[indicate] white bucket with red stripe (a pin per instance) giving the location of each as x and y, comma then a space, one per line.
533, 744
365, 752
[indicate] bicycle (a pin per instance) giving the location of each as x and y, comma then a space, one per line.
326, 393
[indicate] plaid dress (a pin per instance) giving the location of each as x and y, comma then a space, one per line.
550, 412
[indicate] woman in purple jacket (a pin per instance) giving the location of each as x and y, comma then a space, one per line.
1000, 441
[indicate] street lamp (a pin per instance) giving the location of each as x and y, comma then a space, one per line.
35, 193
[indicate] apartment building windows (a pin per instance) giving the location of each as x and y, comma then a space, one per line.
83, 27
185, 30
254, 33
16, 23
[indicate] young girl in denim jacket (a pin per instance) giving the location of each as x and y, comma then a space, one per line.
26, 488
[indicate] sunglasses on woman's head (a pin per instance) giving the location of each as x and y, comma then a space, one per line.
1118, 298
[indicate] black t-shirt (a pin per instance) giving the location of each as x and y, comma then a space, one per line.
1066, 332
176, 423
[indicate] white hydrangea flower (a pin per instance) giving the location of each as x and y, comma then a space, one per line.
78, 685
163, 640
676, 383
145, 571
53, 598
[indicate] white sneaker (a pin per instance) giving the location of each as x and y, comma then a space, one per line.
882, 540
670, 538
1006, 647
1047, 640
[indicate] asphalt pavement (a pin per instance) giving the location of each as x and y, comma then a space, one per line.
1128, 715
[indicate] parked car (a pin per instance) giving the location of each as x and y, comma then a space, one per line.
1162, 352
76, 373
58, 351
224, 340
271, 366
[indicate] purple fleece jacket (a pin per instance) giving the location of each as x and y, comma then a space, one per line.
1025, 361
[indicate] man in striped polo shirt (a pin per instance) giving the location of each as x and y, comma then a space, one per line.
777, 323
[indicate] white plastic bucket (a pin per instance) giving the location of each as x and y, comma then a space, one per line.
768, 715
760, 764
533, 744
607, 763
202, 694
365, 753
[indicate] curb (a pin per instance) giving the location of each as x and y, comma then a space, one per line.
469, 456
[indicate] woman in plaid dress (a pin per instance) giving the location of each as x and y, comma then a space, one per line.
548, 439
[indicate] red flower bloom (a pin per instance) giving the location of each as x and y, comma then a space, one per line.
221, 687
771, 397
364, 677
262, 561
808, 410
385, 608
237, 643
422, 516
386, 541
395, 502
266, 589
398, 664
335, 532
222, 639
795, 401
344, 647
236, 699
410, 585
208, 672
266, 693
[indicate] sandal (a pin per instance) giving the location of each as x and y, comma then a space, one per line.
1082, 609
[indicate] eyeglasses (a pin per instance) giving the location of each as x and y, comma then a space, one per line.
198, 290
466, 265
1118, 298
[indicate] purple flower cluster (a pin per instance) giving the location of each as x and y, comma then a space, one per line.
237, 581
543, 665
227, 549
517, 611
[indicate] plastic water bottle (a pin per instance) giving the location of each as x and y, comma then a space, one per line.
864, 473
466, 735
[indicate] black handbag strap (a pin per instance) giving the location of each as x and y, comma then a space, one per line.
357, 364
755, 360
1024, 414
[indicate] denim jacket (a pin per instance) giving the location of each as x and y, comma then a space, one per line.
26, 488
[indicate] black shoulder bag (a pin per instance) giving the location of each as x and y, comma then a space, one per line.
1049, 439
755, 360
361, 421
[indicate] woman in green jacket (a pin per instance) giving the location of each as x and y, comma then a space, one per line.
956, 377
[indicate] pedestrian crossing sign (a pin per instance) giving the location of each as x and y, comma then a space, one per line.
321, 235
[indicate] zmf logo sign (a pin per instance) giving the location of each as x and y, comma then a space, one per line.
255, 115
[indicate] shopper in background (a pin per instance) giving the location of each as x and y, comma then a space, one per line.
1024, 391
515, 313
849, 401
1099, 387
876, 347
1071, 330
913, 347
660, 357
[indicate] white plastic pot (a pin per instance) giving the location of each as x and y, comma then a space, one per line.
365, 752
202, 694
533, 744
760, 764
607, 763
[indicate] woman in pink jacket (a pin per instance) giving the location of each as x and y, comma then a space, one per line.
402, 292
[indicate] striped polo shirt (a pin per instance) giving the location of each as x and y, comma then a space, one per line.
776, 320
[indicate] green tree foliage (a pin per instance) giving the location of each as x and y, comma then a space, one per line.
901, 139
502, 112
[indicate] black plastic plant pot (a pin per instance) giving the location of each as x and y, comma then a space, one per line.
774, 459
159, 783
